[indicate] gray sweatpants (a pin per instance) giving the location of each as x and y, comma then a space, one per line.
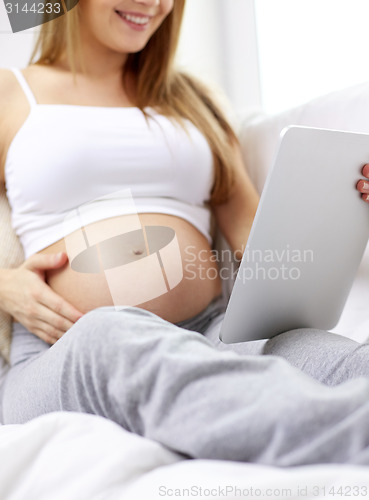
201, 398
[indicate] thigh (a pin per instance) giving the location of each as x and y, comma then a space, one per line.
327, 357
244, 348
30, 387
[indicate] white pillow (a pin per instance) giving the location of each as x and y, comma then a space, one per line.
346, 109
11, 255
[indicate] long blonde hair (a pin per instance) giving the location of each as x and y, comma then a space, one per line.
157, 84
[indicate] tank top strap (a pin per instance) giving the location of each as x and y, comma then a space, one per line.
23, 83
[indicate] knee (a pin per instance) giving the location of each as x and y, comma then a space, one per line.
98, 327
126, 315
293, 341
96, 316
91, 343
103, 326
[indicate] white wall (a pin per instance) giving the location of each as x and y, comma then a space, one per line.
15, 48
310, 47
219, 44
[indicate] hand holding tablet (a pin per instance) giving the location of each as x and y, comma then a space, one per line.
307, 240
363, 184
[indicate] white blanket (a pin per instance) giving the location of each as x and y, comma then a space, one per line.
71, 456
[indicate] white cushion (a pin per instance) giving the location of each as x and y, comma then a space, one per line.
11, 255
346, 109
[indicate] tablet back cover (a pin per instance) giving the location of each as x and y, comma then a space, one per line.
307, 240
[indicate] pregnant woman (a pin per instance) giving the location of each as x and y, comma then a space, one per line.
101, 110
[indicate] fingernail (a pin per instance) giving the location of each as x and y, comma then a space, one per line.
366, 185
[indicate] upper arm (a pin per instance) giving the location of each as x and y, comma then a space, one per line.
7, 87
235, 217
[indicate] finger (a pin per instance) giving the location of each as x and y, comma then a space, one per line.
363, 186
53, 319
365, 170
365, 197
46, 261
43, 336
59, 305
50, 331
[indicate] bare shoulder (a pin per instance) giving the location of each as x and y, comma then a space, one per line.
7, 87
50, 83
14, 109
14, 105
37, 72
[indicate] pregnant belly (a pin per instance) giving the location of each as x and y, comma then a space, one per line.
167, 267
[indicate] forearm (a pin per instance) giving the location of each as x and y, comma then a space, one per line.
240, 238
235, 217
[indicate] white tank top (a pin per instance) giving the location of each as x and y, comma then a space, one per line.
64, 156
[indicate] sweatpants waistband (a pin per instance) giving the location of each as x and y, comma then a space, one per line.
201, 321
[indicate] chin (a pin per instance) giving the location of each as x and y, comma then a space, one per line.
132, 48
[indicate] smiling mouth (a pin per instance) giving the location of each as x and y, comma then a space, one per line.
137, 20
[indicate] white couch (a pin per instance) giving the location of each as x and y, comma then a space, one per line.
79, 456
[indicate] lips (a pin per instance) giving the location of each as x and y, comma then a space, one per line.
137, 20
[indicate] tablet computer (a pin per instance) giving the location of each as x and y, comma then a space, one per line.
307, 239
